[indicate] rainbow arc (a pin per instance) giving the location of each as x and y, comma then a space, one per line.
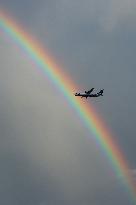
87, 113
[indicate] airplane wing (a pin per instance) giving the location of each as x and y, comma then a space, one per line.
89, 91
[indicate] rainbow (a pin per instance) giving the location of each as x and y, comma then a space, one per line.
95, 125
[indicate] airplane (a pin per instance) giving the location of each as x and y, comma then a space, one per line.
88, 94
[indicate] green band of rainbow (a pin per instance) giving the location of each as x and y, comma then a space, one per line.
87, 113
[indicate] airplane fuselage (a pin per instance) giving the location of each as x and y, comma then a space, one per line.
87, 95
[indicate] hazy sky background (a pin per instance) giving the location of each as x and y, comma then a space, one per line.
47, 155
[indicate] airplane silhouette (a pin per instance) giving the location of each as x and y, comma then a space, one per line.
88, 94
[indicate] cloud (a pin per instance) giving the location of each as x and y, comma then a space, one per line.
47, 155
106, 15
118, 13
65, 15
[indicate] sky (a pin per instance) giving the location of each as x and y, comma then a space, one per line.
47, 155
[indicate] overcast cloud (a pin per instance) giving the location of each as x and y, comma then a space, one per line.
47, 155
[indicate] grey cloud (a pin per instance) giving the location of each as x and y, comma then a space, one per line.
64, 13
46, 154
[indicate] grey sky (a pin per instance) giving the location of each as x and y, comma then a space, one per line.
46, 154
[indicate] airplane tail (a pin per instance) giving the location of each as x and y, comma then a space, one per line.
100, 93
